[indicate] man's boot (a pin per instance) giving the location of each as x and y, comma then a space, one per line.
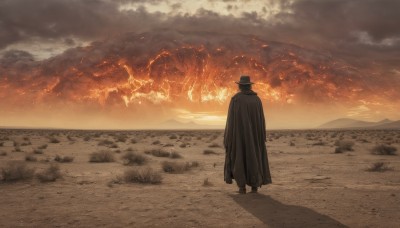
254, 189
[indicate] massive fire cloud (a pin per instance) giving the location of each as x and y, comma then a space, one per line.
184, 71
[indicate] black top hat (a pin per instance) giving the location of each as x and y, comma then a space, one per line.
244, 80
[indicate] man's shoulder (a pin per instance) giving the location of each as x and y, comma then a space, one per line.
238, 95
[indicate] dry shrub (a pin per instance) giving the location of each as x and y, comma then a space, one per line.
105, 142
175, 155
194, 164
173, 137
184, 145
168, 145
64, 159
178, 167
379, 167
157, 153
37, 151
134, 141
3, 153
30, 158
156, 142
16, 171
17, 149
54, 140
207, 183
121, 138
342, 146
87, 138
131, 158
384, 150
42, 147
102, 156
142, 176
26, 143
175, 167
51, 174
1, 144
214, 145
320, 143
208, 152
113, 146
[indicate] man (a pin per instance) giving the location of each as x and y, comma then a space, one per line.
246, 158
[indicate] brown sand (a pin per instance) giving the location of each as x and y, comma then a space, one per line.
312, 186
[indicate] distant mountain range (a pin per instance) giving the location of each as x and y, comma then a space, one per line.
352, 123
174, 124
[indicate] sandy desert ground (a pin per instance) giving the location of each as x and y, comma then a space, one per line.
312, 185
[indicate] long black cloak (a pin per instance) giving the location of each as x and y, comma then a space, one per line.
246, 158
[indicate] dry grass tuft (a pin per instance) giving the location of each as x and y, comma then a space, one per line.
157, 153
42, 147
175, 155
37, 151
132, 158
175, 167
30, 158
54, 140
26, 143
184, 145
384, 150
214, 145
16, 171
207, 183
178, 167
105, 142
102, 156
320, 143
173, 137
121, 138
65, 159
342, 146
51, 174
379, 167
209, 152
142, 176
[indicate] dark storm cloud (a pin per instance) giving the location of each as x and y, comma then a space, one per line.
339, 18
48, 19
359, 30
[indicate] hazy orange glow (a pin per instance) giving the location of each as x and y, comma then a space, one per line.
195, 77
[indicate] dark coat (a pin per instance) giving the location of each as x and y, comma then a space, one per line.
246, 158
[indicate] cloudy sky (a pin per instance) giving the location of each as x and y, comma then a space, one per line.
68, 62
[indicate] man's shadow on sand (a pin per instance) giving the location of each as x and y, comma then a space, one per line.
276, 214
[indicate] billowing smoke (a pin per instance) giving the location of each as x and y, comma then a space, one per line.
168, 67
